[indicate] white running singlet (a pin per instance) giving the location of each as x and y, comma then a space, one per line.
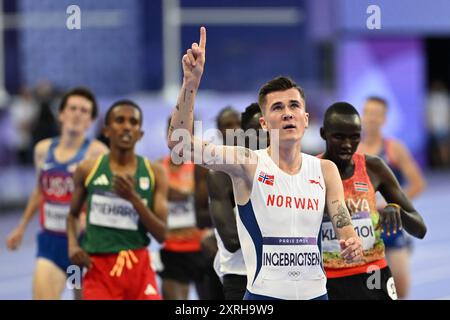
279, 230
228, 262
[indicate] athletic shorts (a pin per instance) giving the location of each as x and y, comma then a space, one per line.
397, 240
121, 276
184, 267
234, 286
53, 247
378, 285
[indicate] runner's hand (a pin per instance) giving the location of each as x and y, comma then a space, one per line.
79, 257
14, 239
390, 219
124, 186
351, 249
194, 60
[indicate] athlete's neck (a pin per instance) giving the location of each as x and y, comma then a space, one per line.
287, 157
346, 168
71, 141
122, 158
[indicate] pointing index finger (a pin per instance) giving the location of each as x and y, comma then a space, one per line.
202, 43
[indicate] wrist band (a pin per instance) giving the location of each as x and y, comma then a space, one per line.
394, 205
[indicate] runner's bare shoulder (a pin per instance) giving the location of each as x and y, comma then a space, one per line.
40, 151
96, 148
86, 166
374, 163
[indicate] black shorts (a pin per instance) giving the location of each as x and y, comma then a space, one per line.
378, 285
234, 286
184, 267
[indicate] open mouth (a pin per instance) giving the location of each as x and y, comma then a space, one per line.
345, 154
126, 137
289, 126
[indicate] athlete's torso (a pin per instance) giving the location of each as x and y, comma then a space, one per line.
112, 222
229, 262
56, 183
361, 202
183, 236
279, 230
386, 154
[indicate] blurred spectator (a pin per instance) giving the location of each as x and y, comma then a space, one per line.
46, 93
7, 134
23, 110
46, 124
312, 143
438, 116
98, 131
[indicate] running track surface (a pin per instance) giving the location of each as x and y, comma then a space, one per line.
430, 263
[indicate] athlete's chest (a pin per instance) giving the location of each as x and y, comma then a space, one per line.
301, 192
288, 203
56, 179
104, 181
359, 193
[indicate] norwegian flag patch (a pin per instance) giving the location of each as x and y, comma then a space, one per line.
266, 178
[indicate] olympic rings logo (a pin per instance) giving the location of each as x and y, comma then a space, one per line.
294, 274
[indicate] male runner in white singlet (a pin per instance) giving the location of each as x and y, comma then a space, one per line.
280, 192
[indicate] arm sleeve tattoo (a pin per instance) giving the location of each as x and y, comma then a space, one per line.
342, 218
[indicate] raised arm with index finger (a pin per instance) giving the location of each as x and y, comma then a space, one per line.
193, 63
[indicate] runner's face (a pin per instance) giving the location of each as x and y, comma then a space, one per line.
285, 111
373, 117
124, 127
76, 117
229, 120
342, 137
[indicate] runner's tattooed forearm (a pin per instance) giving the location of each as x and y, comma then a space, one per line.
342, 217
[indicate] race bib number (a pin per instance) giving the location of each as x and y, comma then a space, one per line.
181, 214
291, 259
113, 212
363, 225
55, 216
